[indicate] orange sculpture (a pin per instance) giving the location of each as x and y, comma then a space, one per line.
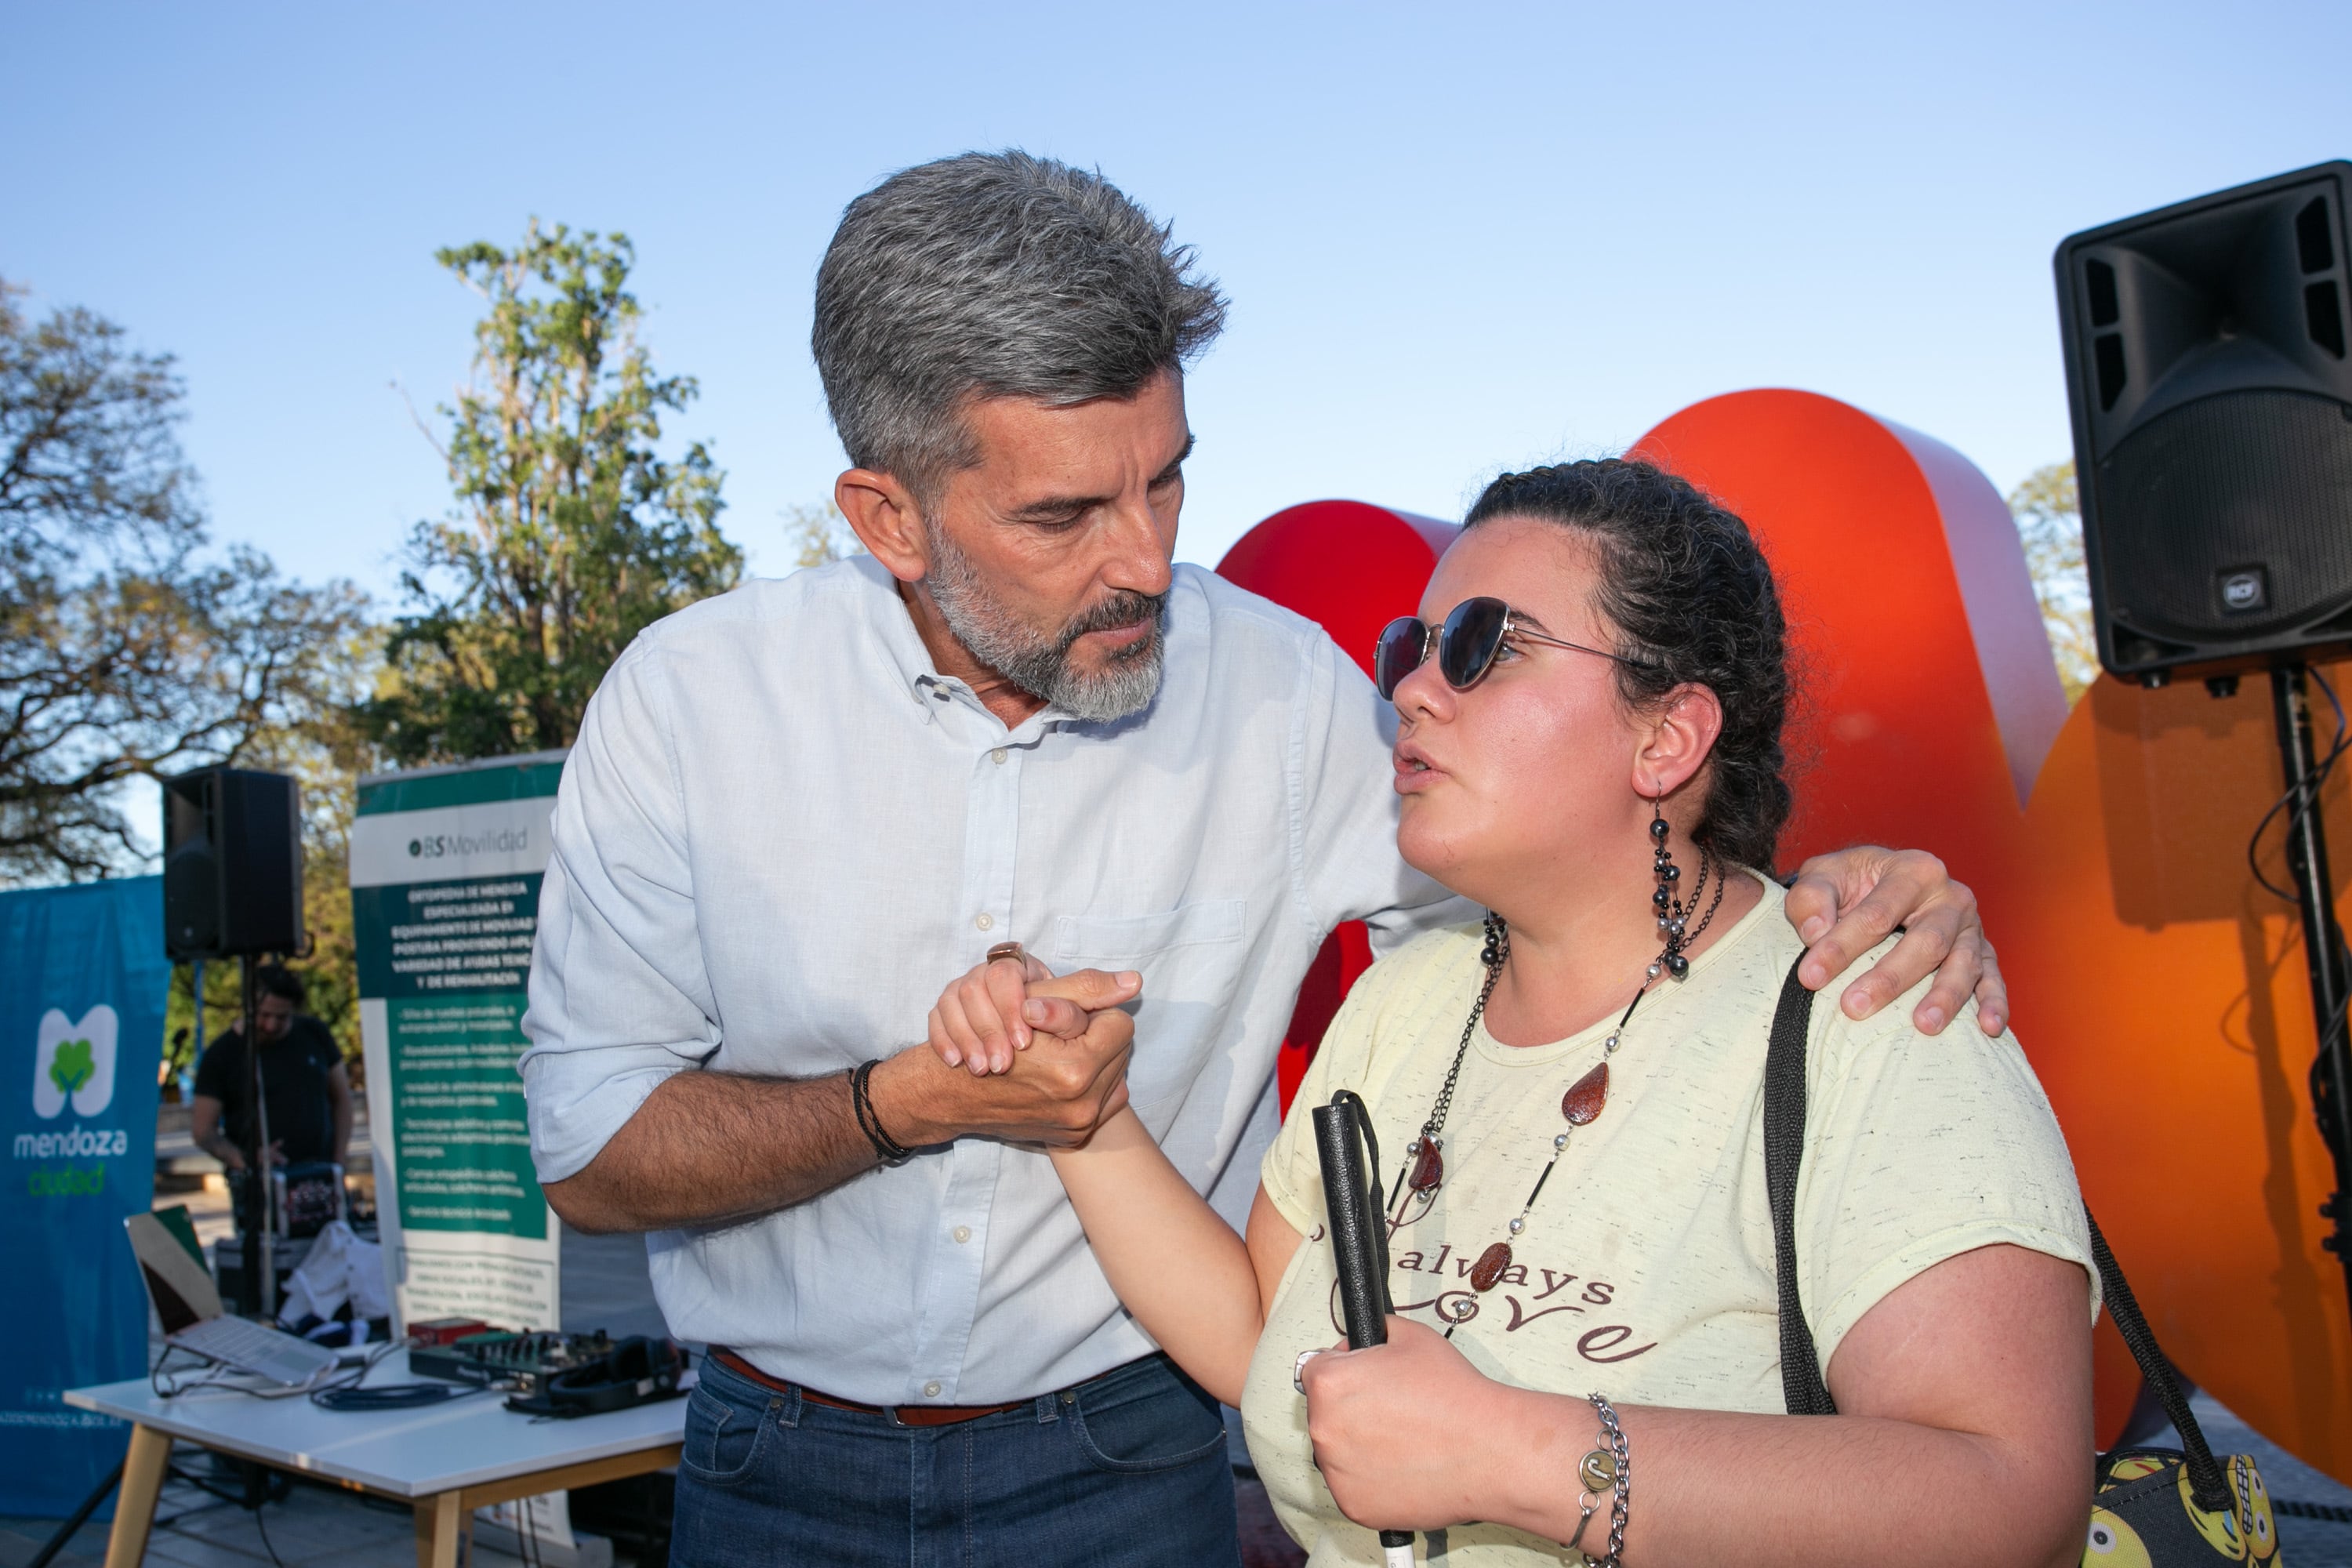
2157, 989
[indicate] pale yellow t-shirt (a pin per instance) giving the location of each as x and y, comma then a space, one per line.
1645, 1270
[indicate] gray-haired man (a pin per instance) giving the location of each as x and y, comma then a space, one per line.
794, 814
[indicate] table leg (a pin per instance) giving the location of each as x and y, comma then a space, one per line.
437, 1519
134, 1507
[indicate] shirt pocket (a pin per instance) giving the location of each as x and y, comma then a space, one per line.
1090, 940
1190, 958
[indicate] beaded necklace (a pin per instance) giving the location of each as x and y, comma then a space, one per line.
1585, 1099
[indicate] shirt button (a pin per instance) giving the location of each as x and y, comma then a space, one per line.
997, 755
930, 1391
983, 921
963, 1233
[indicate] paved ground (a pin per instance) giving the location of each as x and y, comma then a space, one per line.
313, 1528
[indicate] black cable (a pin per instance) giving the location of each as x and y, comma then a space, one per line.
2320, 1082
265, 1530
2293, 797
390, 1396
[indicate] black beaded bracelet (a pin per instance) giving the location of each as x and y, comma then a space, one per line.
888, 1149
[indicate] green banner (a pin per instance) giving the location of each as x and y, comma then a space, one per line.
464, 1149
445, 870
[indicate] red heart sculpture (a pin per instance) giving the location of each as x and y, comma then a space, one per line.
2160, 992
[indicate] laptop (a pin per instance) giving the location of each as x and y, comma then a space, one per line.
189, 1305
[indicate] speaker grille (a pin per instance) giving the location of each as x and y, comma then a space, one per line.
2254, 479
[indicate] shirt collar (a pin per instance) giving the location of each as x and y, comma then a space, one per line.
910, 660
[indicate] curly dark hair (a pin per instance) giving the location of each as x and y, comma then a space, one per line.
1691, 597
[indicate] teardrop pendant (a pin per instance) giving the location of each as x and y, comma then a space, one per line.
1490, 1266
1582, 1102
1428, 1167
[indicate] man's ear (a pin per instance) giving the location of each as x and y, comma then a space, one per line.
883, 514
1679, 740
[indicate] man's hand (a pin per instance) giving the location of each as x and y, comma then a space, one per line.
1845, 904
1056, 1093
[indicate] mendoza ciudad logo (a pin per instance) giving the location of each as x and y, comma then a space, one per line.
73, 1067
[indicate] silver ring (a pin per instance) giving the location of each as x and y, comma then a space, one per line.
1298, 1369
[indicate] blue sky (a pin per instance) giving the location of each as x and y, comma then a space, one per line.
1456, 240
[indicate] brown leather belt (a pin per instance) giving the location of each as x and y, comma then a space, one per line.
903, 1415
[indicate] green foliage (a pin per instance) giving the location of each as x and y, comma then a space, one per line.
820, 534
127, 649
571, 531
73, 1065
2049, 524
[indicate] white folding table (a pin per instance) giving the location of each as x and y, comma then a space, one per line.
445, 1459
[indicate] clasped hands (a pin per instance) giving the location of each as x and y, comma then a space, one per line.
1019, 1053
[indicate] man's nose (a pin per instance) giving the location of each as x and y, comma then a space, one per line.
1138, 552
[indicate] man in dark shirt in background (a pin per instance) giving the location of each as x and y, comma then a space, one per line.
306, 1090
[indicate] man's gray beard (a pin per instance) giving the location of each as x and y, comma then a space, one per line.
1039, 665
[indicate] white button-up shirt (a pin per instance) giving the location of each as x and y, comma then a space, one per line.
781, 834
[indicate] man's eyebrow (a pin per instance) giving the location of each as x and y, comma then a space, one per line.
1164, 475
1053, 509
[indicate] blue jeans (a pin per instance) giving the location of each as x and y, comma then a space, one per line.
1126, 1468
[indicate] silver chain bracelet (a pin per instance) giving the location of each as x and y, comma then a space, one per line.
1605, 1470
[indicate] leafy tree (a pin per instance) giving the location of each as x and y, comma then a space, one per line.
2049, 523
127, 648
570, 533
820, 534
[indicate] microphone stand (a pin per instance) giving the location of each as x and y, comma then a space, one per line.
261, 1256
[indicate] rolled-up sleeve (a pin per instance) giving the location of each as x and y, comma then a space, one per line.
619, 997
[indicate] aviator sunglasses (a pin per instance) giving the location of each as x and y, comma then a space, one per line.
1466, 645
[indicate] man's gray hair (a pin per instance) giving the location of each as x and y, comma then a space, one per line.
993, 275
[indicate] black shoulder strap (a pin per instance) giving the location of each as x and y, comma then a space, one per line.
1800, 1370
2213, 1493
1784, 1150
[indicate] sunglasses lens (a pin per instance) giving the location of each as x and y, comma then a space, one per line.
1473, 634
1397, 654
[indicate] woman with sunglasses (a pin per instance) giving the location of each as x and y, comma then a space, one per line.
1586, 1347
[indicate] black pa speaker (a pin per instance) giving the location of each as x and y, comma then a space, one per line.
232, 864
2212, 402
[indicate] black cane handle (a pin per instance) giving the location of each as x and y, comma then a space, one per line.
1351, 1154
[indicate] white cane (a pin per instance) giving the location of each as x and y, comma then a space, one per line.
1352, 1184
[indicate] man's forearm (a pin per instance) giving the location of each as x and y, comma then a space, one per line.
706, 1148
712, 1148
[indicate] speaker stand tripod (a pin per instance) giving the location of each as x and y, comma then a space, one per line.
2322, 948
259, 1257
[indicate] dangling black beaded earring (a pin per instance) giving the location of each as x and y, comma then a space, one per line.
1672, 914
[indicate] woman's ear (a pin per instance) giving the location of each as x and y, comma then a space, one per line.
1678, 739
883, 514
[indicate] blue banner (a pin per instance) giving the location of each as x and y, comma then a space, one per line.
82, 985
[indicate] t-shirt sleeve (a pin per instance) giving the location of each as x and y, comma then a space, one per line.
213, 1071
1292, 1172
1918, 1149
325, 1052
